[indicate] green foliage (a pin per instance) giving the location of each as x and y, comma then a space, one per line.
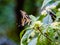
58, 14
43, 30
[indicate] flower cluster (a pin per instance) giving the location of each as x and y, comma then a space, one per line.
36, 24
55, 25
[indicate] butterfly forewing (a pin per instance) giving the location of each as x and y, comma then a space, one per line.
25, 18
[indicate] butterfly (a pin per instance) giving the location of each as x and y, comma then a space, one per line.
25, 18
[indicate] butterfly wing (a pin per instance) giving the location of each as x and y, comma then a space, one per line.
25, 18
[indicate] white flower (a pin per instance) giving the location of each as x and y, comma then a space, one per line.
57, 43
28, 40
55, 25
36, 24
32, 34
52, 6
43, 12
58, 9
55, 34
47, 8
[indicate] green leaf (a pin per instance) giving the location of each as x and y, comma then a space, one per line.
21, 33
42, 40
41, 17
25, 37
38, 40
33, 40
45, 3
33, 18
47, 20
58, 14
